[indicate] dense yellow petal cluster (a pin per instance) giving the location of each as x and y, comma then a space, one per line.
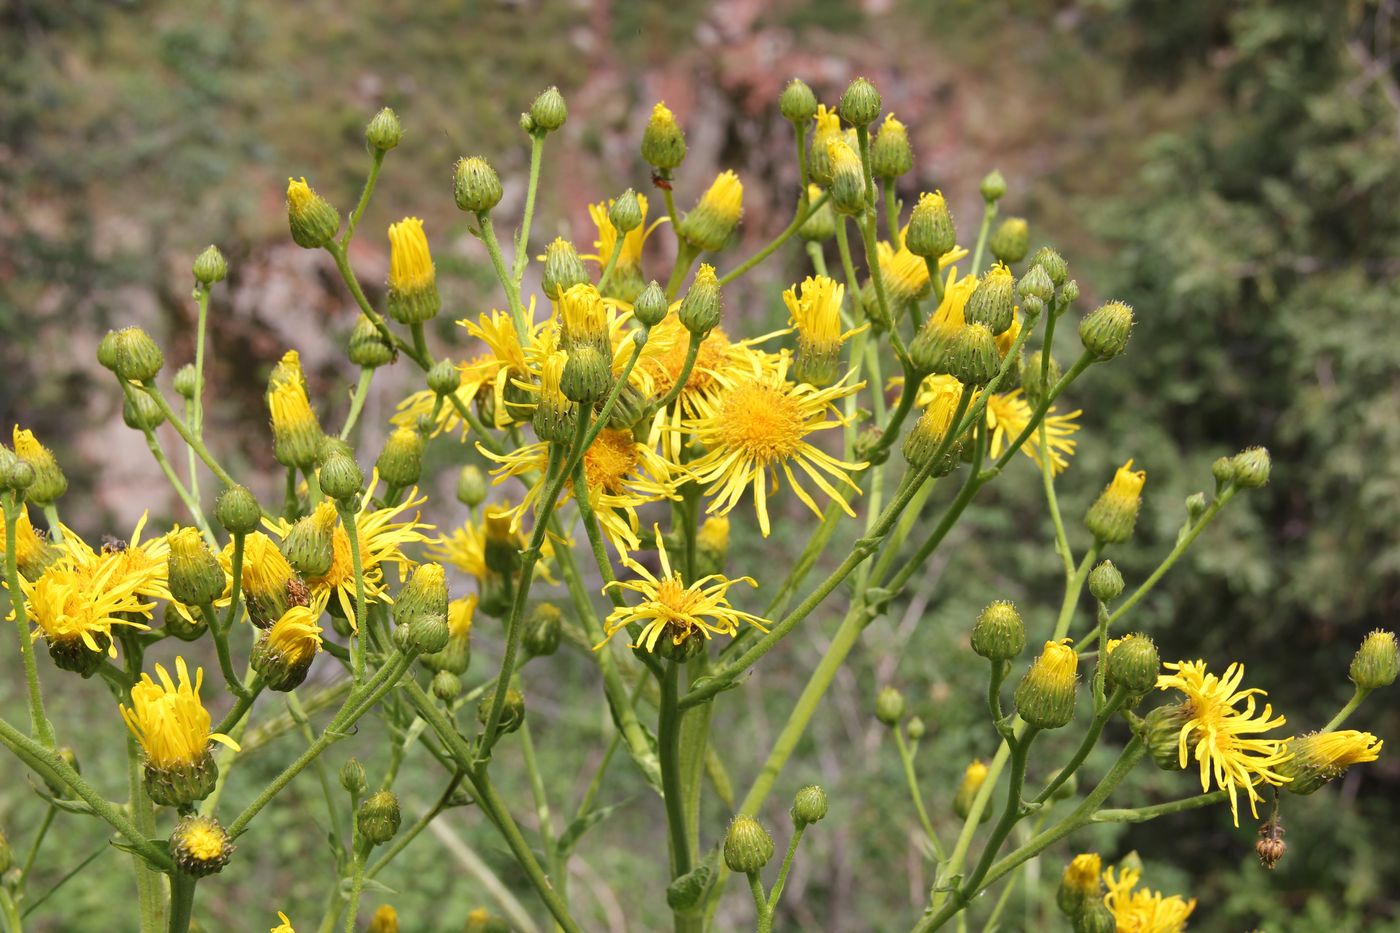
1140, 910
169, 720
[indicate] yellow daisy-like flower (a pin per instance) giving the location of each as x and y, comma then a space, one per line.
33, 551
1144, 910
1217, 731
296, 637
1319, 757
70, 605
423, 403
906, 276
285, 926
145, 562
460, 613
410, 264
465, 547
757, 428
169, 720
632, 243
1008, 413
265, 577
669, 607
816, 313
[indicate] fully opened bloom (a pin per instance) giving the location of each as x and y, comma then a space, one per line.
1220, 729
145, 562
1140, 910
465, 547
169, 720
757, 430
674, 609
74, 610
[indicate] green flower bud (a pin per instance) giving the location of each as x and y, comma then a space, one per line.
341, 477
1052, 264
549, 111
915, 727
1223, 470
131, 354
710, 224
860, 105
973, 357
1133, 663
512, 713
1252, 467
1011, 240
1114, 513
629, 409
1376, 662
424, 595
1036, 283
890, 153
312, 219
587, 376
663, 143
309, 546
352, 776
562, 269
447, 686
238, 511
429, 634
384, 131
1069, 293
1095, 918
1161, 733
869, 446
195, 576
471, 486
179, 627
820, 224
797, 103
651, 305
186, 382
625, 213
747, 845
368, 348
999, 634
1105, 332
401, 462
1031, 382
1195, 506
993, 187
199, 846
889, 706
931, 233
1045, 696
543, 630
703, 305
809, 806
48, 482
107, 350
1105, 582
993, 301
476, 186
378, 817
210, 266
140, 412
972, 780
444, 378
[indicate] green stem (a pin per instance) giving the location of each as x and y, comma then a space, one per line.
667, 736
814, 253
39, 725
493, 249
522, 242
912, 780
231, 679
14, 921
692, 350
31, 906
989, 213
298, 714
402, 840
1091, 738
892, 212
803, 212
181, 901
149, 897
1047, 479
352, 282
1357, 696
365, 193
760, 903
548, 840
357, 401
190, 503
612, 261
357, 883
685, 258
194, 442
1010, 814
800, 131
352, 532
34, 846
776, 894
1143, 814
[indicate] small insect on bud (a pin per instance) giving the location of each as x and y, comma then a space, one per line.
1036, 284
797, 103
512, 713
49, 482
931, 233
476, 186
1080, 884
210, 266
747, 845
368, 349
563, 269
196, 578
1011, 240
385, 920
889, 706
651, 305
199, 846
974, 358
1105, 331
972, 780
1105, 582
1252, 467
625, 213
378, 817
549, 112
1032, 382
401, 462
1045, 696
993, 301
384, 131
809, 806
352, 776
425, 594
820, 224
237, 510
663, 142
715, 217
993, 187
860, 105
447, 686
543, 630
471, 486
1133, 664
1114, 513
1376, 662
703, 306
1318, 757
312, 219
999, 634
341, 477
890, 153
131, 354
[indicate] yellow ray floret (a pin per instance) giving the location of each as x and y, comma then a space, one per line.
1144, 910
168, 719
68, 605
410, 263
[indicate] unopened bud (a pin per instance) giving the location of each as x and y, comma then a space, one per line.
1105, 331
186, 382
1032, 383
651, 305
974, 358
238, 511
476, 186
1105, 582
860, 105
1252, 467
931, 233
341, 477
1095, 918
429, 634
1196, 506
563, 269
809, 806
384, 131
999, 634
447, 686
889, 706
401, 462
140, 411
368, 348
444, 378
378, 817
663, 142
1080, 884
703, 305
747, 845
1133, 664
471, 486
993, 187
210, 266
993, 301
821, 223
425, 594
1376, 662
625, 213
1050, 262
312, 219
543, 630
1045, 696
972, 780
587, 376
512, 713
352, 776
1114, 513
797, 103
890, 153
915, 728
1011, 240
195, 576
549, 111
131, 354
48, 482
1036, 283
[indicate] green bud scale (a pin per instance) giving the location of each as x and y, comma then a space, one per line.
476, 186
889, 706
747, 845
378, 818
1011, 240
384, 131
809, 806
999, 634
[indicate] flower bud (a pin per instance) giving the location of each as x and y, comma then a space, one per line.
1223, 470
429, 634
341, 477
195, 576
385, 920
712, 545
703, 305
993, 187
1319, 757
444, 378
456, 655
352, 776
809, 806
238, 511
999, 634
368, 348
1036, 283
283, 656
313, 221
993, 301
199, 846
413, 291
401, 462
847, 177
378, 817
512, 713
972, 780
49, 482
384, 131
447, 686
1069, 293
1045, 696
1052, 264
476, 186
973, 357
296, 432
915, 728
177, 626
1114, 513
309, 545
625, 213
1252, 467
663, 143
797, 103
651, 305
471, 486
1195, 506
186, 382
929, 433
587, 376
1105, 332
1161, 733
890, 153
502, 547
549, 111
1376, 662
562, 269
889, 706
1080, 885
1105, 582
820, 224
131, 354
210, 266
1010, 240
1031, 383
425, 594
1133, 664
716, 215
482, 920
140, 412
860, 105
543, 630
747, 845
931, 233
1095, 918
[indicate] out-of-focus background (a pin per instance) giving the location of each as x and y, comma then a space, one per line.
1229, 167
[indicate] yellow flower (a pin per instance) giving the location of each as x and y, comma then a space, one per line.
300, 197
169, 721
712, 222
583, 317
1217, 733
1114, 513
1144, 911
33, 552
459, 615
672, 608
816, 313
906, 276
632, 243
296, 433
1082, 873
265, 578
295, 637
757, 428
144, 562
410, 263
1008, 413
465, 547
285, 926
69, 605
1319, 757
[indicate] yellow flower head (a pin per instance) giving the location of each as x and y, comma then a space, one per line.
296, 432
945, 322
49, 481
33, 552
203, 839
756, 430
295, 637
669, 607
71, 605
169, 721
460, 613
1008, 413
714, 534
841, 156
300, 196
826, 121
1218, 733
1144, 911
1082, 873
632, 242
725, 197
816, 313
1114, 513
710, 224
266, 572
584, 317
1058, 662
145, 563
662, 117
285, 926
465, 547
410, 263
1319, 757
1127, 483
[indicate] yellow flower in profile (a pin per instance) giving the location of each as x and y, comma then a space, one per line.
75, 609
670, 607
1143, 910
1219, 732
715, 217
816, 313
465, 547
1319, 757
169, 720
583, 317
1082, 873
410, 263
757, 429
33, 552
1114, 513
296, 637
1008, 413
296, 432
265, 579
285, 926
